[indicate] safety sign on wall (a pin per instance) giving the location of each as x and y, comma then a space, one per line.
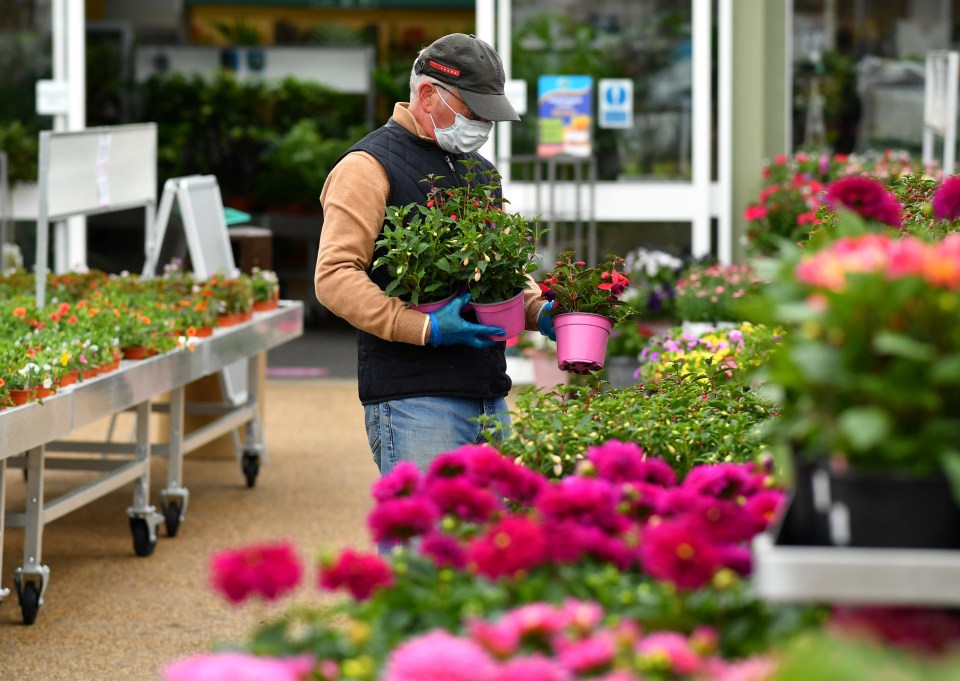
615, 103
565, 107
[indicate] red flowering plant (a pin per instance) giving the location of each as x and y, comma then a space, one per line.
479, 537
596, 290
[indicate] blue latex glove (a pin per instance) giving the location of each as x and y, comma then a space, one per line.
447, 327
545, 322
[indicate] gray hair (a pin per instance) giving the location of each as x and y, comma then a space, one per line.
418, 79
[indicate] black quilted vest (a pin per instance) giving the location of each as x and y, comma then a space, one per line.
390, 371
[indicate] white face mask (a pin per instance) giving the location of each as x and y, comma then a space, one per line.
464, 135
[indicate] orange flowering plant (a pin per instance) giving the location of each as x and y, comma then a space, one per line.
870, 368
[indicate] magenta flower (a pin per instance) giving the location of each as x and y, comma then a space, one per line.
641, 500
946, 202
360, 574
738, 558
721, 480
398, 520
268, 570
618, 461
443, 550
462, 498
403, 481
675, 551
513, 481
588, 501
721, 520
439, 656
764, 507
450, 464
239, 667
532, 668
866, 197
510, 546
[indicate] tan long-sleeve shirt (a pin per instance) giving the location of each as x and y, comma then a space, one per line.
354, 200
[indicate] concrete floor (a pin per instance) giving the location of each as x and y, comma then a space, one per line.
111, 615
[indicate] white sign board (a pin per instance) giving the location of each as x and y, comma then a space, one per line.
53, 97
615, 105
516, 92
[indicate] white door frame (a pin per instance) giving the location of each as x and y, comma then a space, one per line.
696, 202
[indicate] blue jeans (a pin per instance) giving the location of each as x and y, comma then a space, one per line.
417, 429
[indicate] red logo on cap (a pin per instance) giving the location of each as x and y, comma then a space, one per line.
446, 69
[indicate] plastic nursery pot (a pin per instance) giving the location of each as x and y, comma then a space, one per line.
581, 341
508, 315
427, 308
135, 352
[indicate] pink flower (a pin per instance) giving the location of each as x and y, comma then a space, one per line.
501, 639
590, 655
764, 507
534, 622
532, 668
866, 197
361, 574
239, 667
444, 550
450, 464
755, 213
676, 551
721, 520
268, 570
403, 481
675, 648
582, 616
946, 201
512, 545
750, 669
439, 656
400, 519
489, 468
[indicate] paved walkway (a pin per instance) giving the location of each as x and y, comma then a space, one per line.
112, 616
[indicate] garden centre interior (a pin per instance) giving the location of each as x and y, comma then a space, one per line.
753, 478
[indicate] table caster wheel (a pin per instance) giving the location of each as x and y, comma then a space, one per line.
143, 545
171, 517
250, 465
29, 596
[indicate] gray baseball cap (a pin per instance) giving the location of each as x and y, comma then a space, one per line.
474, 68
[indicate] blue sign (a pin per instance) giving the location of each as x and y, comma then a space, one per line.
615, 103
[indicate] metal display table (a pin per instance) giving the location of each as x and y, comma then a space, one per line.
29, 432
787, 571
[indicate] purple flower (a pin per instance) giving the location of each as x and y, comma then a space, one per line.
866, 197
946, 202
675, 551
403, 481
239, 667
462, 498
360, 574
513, 545
444, 550
398, 520
439, 656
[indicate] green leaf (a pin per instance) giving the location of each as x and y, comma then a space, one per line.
946, 370
864, 427
899, 345
951, 468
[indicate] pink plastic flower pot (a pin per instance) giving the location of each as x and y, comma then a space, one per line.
426, 308
508, 315
581, 341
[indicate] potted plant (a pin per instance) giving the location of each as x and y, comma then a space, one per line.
459, 239
587, 303
653, 281
266, 289
869, 379
710, 296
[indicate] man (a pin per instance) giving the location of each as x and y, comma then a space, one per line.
422, 378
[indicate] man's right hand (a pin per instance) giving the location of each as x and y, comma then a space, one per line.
447, 327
